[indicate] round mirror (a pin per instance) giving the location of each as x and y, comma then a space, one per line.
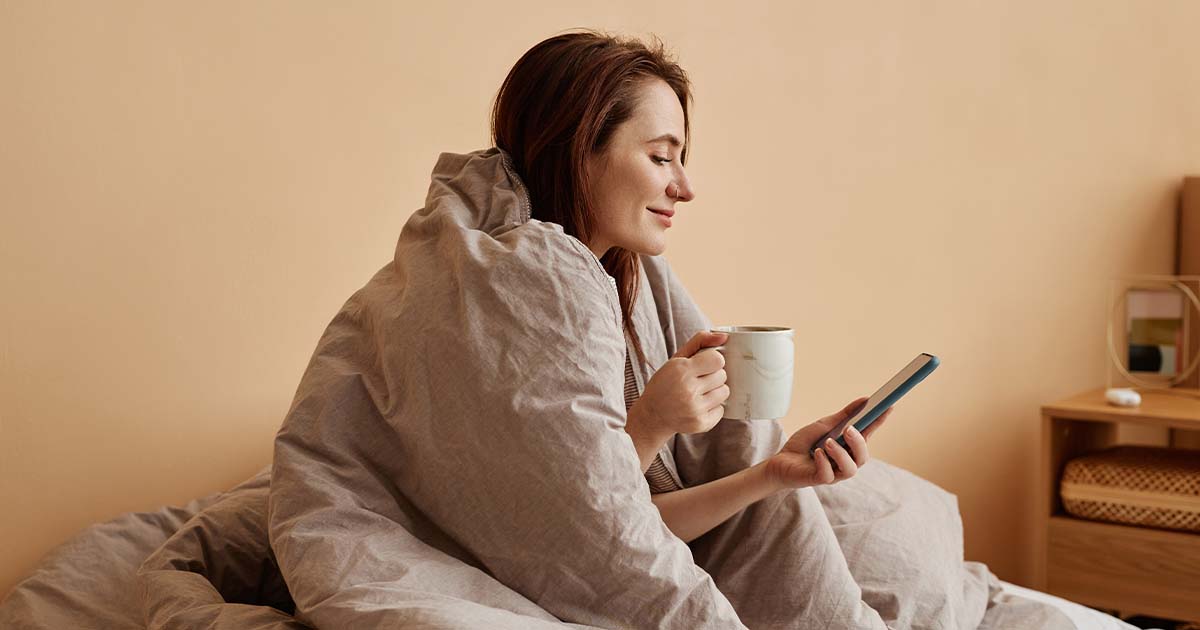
1150, 338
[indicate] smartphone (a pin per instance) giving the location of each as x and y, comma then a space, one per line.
882, 400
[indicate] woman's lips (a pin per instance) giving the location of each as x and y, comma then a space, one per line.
663, 215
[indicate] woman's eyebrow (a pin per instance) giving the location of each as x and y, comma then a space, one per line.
669, 137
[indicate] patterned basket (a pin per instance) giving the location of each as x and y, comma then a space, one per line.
1135, 485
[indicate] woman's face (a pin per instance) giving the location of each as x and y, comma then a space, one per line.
638, 179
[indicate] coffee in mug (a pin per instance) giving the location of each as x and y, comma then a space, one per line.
758, 371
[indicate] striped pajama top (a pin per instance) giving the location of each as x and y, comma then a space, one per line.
656, 475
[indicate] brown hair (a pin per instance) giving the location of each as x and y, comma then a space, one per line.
562, 101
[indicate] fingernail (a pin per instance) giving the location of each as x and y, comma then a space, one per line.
829, 442
851, 430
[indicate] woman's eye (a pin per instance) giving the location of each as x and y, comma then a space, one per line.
661, 160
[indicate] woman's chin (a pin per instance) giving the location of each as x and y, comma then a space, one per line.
646, 246
654, 248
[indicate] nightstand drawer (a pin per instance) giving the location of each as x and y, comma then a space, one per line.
1124, 568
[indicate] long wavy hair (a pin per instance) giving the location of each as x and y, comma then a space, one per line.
560, 103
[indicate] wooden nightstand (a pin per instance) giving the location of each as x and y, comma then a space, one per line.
1109, 566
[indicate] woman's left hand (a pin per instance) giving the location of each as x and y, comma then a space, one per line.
793, 467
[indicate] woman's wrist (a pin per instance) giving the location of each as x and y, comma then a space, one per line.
693, 511
647, 440
772, 480
764, 481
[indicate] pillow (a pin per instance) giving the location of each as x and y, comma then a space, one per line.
903, 541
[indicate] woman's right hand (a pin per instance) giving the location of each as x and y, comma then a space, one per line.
687, 394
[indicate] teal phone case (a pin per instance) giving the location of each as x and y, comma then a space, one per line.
883, 405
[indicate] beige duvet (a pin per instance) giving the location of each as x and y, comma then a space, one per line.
455, 457
458, 434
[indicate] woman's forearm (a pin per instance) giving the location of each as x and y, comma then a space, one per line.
691, 512
645, 441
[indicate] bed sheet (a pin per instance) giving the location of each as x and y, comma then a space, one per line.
1083, 617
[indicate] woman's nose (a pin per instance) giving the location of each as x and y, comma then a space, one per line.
681, 190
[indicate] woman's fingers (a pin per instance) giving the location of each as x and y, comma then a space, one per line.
849, 410
858, 445
824, 469
832, 454
878, 423
715, 398
699, 341
712, 381
706, 362
713, 416
845, 463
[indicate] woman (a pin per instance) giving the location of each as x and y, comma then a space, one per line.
623, 114
467, 445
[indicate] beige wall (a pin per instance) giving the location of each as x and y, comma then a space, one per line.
190, 191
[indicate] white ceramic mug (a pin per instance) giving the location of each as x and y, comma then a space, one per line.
758, 370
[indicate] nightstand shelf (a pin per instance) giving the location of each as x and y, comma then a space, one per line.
1105, 565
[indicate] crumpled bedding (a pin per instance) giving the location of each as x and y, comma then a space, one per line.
459, 433
105, 577
90, 580
217, 569
455, 457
